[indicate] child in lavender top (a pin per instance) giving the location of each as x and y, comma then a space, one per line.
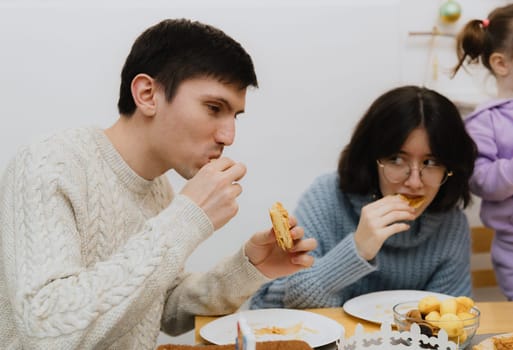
490, 41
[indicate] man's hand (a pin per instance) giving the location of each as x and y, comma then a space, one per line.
263, 252
215, 189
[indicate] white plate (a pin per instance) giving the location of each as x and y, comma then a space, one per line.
310, 327
487, 344
377, 307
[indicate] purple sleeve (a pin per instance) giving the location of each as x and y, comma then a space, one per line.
493, 174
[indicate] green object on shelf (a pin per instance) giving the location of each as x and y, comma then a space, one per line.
450, 11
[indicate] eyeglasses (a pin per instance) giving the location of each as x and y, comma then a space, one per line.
397, 170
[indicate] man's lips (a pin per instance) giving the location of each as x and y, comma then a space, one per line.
210, 158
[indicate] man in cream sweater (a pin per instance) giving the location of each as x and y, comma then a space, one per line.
93, 241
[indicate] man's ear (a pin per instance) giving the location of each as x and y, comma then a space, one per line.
144, 89
500, 64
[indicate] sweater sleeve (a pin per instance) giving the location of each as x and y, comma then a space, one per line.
220, 291
57, 301
337, 263
493, 176
453, 273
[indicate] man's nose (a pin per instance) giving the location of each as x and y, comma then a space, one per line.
226, 132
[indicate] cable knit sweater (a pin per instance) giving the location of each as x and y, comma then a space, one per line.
92, 255
433, 255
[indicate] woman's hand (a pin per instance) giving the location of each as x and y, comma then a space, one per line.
380, 220
263, 252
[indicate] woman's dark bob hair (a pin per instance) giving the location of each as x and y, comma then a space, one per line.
385, 127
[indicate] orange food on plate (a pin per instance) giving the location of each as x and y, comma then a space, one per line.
292, 330
498, 342
266, 345
503, 343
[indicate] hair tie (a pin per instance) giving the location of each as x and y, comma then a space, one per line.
485, 22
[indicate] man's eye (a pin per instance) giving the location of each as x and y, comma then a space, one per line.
213, 108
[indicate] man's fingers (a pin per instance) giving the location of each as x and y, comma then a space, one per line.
263, 237
236, 171
304, 245
292, 222
236, 189
302, 260
232, 170
221, 164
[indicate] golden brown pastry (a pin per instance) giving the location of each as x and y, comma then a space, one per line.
280, 220
505, 343
414, 202
498, 342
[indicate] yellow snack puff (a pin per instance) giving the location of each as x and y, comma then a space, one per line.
459, 339
428, 304
451, 324
432, 316
463, 336
449, 306
466, 317
464, 303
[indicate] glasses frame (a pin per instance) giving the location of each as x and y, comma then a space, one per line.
447, 174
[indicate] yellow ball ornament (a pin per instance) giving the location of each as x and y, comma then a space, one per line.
450, 11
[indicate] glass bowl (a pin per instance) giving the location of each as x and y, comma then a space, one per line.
460, 330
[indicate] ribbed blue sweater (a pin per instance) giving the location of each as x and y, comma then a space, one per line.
433, 255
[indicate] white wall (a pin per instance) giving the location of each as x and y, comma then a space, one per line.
319, 62
421, 53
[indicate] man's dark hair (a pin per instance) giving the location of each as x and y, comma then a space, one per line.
173, 51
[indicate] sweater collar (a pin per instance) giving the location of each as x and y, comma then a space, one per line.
125, 174
420, 229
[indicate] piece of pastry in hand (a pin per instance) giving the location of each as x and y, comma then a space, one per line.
414, 202
280, 220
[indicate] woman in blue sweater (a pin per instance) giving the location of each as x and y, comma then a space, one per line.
412, 142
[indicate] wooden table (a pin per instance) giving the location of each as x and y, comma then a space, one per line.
496, 317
